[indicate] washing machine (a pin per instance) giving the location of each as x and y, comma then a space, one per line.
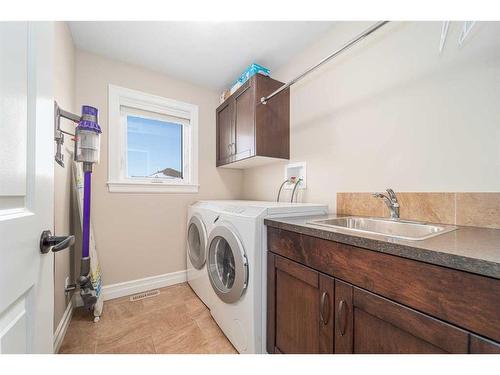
236, 266
199, 223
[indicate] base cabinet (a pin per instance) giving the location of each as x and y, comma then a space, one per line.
311, 312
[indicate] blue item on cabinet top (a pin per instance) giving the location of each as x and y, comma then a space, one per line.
252, 70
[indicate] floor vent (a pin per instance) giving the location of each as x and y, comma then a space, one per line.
148, 294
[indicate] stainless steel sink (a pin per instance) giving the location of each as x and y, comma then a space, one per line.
408, 230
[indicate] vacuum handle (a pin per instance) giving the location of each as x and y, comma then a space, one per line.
55, 243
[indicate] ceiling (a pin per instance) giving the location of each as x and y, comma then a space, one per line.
210, 54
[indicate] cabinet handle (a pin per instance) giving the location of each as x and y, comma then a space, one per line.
324, 317
342, 317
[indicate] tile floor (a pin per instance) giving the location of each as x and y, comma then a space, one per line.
175, 321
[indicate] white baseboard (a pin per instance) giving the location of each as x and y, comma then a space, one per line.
63, 326
128, 288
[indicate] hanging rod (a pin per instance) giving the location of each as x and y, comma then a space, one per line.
346, 46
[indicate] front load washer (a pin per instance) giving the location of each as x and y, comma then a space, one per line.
236, 262
199, 222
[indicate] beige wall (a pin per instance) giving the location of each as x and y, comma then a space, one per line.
142, 235
64, 94
393, 112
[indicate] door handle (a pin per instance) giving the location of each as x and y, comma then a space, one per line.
55, 243
324, 317
342, 319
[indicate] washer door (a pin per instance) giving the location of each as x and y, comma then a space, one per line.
227, 264
197, 242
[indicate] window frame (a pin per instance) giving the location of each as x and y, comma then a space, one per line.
137, 101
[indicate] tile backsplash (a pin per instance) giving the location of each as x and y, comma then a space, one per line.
473, 209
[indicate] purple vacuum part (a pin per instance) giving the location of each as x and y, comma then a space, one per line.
86, 214
89, 119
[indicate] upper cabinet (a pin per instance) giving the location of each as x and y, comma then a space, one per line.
250, 133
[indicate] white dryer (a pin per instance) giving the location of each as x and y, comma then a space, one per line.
236, 264
199, 222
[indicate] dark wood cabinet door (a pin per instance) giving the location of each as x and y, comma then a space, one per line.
272, 131
368, 323
297, 308
300, 308
244, 111
225, 132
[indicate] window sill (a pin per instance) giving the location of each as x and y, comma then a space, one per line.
150, 187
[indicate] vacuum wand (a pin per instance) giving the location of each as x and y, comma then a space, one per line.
86, 290
86, 211
87, 142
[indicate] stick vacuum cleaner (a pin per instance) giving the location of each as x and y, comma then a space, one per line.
87, 142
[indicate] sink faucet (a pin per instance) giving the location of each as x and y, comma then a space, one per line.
391, 200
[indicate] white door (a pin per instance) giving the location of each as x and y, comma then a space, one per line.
26, 186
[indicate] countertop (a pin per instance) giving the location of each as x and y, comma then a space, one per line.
470, 249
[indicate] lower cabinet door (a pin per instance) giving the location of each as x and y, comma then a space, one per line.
367, 323
300, 308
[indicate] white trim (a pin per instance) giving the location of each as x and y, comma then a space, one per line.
119, 97
149, 187
62, 328
128, 288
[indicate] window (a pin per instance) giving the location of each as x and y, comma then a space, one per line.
152, 143
154, 146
